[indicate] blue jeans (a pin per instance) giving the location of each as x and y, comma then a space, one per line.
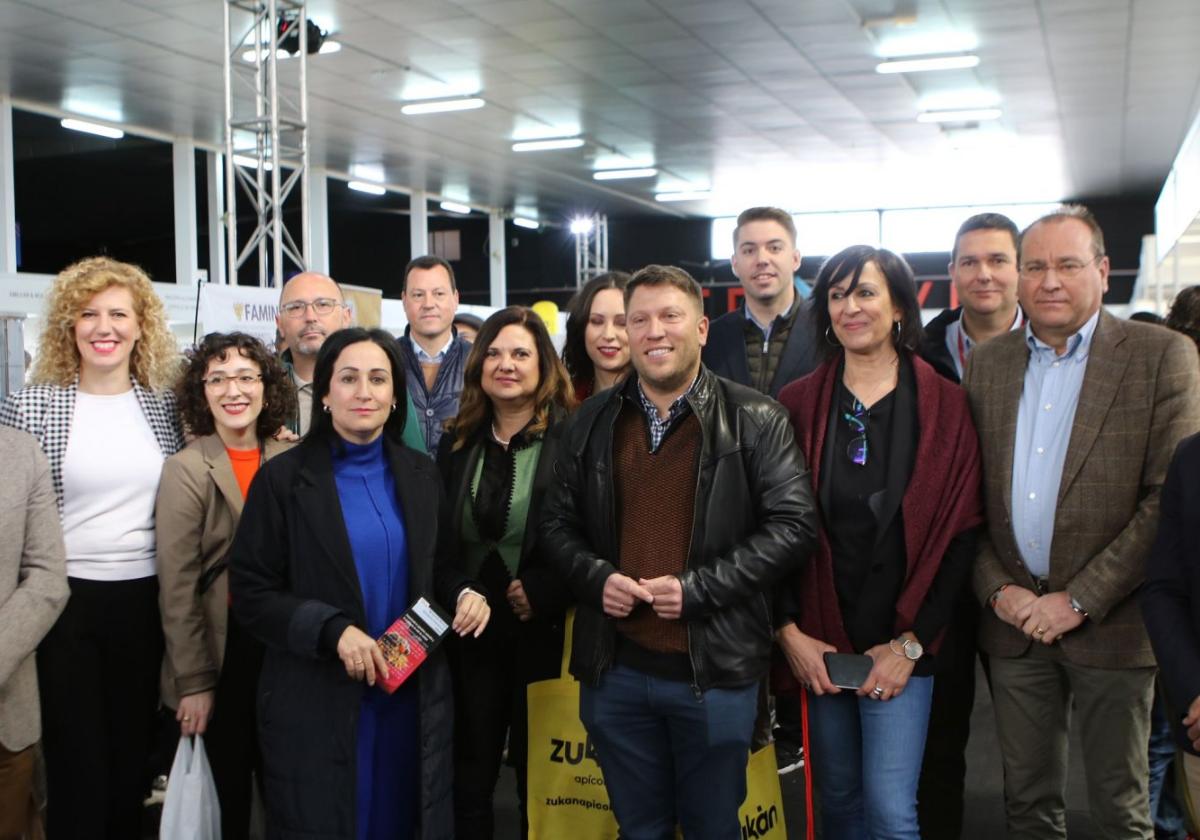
669, 756
1164, 805
866, 758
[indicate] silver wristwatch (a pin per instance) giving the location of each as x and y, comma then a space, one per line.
912, 649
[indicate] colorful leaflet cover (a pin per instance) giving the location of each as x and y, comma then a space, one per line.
409, 641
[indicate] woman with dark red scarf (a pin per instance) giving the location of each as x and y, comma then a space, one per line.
894, 460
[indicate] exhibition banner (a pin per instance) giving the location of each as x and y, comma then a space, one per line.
248, 309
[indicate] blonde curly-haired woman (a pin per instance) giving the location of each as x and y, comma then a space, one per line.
101, 408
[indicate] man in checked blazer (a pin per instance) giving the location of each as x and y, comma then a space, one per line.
1078, 416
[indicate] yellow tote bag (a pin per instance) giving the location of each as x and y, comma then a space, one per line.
761, 814
566, 793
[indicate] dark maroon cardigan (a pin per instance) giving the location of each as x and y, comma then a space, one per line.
942, 498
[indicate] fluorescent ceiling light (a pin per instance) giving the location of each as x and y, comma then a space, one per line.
439, 106
964, 115
455, 207
531, 224
616, 174
921, 65
366, 187
581, 226
683, 195
93, 128
251, 163
546, 145
927, 43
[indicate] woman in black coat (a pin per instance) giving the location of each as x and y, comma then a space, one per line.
1170, 600
337, 538
497, 459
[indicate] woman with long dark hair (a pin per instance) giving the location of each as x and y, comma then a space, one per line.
596, 351
894, 461
338, 539
233, 397
497, 459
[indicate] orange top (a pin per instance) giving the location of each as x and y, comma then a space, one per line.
245, 465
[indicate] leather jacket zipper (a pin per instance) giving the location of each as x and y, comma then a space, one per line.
691, 544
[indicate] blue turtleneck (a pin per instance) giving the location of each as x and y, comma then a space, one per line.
388, 752
375, 525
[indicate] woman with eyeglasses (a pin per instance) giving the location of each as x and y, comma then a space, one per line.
339, 537
497, 459
233, 396
894, 461
102, 410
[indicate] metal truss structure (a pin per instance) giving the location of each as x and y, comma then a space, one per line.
266, 134
591, 247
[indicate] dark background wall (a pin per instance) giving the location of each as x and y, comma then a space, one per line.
78, 195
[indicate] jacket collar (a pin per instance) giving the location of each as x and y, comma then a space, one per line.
317, 497
1101, 378
212, 450
788, 315
698, 397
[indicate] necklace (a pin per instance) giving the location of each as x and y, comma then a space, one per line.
496, 437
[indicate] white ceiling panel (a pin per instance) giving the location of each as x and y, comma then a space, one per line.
1098, 91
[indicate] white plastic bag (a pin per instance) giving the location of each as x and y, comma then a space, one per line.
191, 810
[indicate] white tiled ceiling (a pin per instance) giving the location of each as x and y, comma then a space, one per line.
761, 100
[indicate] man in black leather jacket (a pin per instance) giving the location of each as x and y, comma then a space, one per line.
681, 500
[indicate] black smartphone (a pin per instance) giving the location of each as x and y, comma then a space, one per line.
848, 670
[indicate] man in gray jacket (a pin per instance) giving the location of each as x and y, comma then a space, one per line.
33, 591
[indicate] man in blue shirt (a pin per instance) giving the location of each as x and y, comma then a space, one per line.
435, 355
983, 269
1078, 415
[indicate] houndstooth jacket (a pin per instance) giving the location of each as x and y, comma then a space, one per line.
45, 411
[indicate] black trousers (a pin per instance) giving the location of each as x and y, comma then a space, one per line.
98, 670
488, 700
231, 740
943, 773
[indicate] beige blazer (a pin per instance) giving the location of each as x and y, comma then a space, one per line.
196, 515
33, 581
1140, 397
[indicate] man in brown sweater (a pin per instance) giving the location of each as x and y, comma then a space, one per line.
681, 500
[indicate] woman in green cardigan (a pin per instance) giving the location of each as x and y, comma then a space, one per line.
497, 459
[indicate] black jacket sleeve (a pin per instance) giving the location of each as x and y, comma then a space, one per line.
563, 531
952, 578
780, 489
449, 580
1168, 598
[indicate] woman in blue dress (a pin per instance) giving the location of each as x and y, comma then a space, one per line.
337, 540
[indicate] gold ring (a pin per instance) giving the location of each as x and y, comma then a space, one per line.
878, 692
186, 718
1041, 631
